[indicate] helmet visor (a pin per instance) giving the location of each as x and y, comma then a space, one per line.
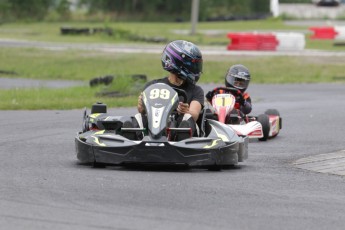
194, 65
240, 82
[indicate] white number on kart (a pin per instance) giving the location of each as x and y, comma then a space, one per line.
224, 100
162, 93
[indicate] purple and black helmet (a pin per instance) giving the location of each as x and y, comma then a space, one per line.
183, 58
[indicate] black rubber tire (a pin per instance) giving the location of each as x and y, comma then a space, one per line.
99, 107
275, 113
85, 125
98, 165
214, 168
141, 77
265, 122
272, 112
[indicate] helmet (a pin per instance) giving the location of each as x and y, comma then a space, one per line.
238, 76
184, 59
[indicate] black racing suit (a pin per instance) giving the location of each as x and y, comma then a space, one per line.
194, 93
245, 105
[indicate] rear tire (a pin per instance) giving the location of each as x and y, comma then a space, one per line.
272, 112
265, 123
275, 112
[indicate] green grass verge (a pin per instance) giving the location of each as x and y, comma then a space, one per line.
44, 31
61, 99
85, 65
75, 64
208, 33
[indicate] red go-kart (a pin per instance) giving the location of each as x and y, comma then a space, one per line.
222, 108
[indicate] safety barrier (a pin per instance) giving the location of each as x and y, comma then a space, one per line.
340, 32
251, 41
327, 33
266, 41
290, 41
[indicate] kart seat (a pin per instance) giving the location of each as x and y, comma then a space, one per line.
201, 122
114, 125
209, 114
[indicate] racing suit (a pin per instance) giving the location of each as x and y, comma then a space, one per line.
194, 93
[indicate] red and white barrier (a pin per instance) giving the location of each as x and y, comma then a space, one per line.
328, 33
266, 41
290, 41
325, 33
340, 32
252, 41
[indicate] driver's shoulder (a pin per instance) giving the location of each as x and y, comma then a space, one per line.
199, 90
154, 81
195, 88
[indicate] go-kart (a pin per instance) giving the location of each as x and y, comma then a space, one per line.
103, 139
222, 108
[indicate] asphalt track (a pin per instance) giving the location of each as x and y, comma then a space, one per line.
290, 182
42, 186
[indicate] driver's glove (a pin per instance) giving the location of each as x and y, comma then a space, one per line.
241, 100
209, 96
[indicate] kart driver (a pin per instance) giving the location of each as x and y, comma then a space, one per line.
238, 77
183, 60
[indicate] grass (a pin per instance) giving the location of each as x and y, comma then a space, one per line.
74, 64
44, 31
84, 65
323, 45
61, 99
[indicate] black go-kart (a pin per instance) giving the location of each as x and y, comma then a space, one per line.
104, 137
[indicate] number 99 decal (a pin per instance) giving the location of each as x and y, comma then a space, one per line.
159, 93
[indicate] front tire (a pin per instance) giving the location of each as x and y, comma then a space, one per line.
265, 123
99, 107
98, 165
85, 125
214, 168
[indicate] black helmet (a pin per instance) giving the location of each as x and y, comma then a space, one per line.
184, 59
238, 77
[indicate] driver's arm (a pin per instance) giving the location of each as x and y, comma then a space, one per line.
140, 106
193, 109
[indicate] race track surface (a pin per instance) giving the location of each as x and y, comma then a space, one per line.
44, 187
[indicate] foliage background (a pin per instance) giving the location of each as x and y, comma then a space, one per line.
153, 10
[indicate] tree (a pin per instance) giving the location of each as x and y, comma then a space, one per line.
29, 9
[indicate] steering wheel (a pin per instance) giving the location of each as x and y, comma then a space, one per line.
181, 93
231, 90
